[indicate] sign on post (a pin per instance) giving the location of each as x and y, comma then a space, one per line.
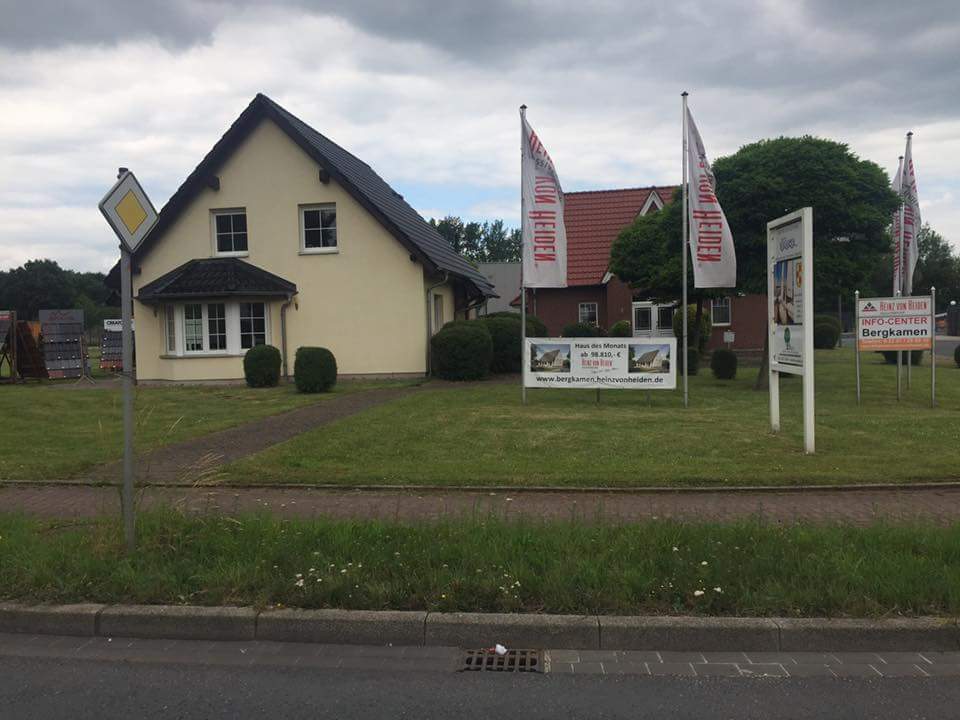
595, 363
790, 312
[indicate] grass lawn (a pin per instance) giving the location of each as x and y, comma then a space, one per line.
484, 564
482, 435
58, 430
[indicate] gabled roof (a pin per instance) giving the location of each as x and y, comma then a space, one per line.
215, 277
357, 178
593, 220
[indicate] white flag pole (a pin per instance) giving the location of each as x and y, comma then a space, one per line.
523, 290
683, 307
910, 292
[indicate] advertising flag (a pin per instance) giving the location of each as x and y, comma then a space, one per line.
911, 217
895, 231
544, 234
711, 242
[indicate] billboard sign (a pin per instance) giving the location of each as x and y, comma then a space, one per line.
116, 325
59, 317
627, 363
894, 323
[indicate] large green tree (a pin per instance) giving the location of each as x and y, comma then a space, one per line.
480, 242
43, 284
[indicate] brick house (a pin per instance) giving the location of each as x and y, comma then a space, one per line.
593, 220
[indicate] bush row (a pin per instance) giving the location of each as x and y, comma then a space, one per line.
314, 368
472, 349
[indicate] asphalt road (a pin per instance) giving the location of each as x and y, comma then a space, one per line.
52, 688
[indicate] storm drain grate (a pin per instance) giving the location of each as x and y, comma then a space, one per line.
514, 661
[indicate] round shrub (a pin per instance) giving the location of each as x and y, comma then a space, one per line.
723, 362
535, 326
505, 335
261, 366
621, 328
890, 357
577, 330
693, 355
314, 369
462, 351
706, 327
825, 336
830, 319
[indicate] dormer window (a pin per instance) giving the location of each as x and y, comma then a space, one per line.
230, 232
318, 228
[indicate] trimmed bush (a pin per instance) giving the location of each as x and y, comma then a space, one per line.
831, 319
535, 326
261, 366
706, 327
693, 356
462, 351
576, 330
890, 357
314, 370
505, 335
723, 363
621, 328
825, 336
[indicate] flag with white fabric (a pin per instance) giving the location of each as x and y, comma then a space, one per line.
895, 231
711, 242
911, 217
544, 233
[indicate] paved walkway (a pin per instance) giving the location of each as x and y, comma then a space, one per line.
192, 461
940, 505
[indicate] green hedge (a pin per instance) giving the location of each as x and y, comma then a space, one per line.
621, 328
831, 319
261, 366
535, 326
723, 363
462, 350
694, 357
314, 370
890, 357
578, 329
706, 327
825, 335
505, 334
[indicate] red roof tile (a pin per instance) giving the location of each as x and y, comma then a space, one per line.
593, 220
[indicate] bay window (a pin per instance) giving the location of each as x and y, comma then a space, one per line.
214, 328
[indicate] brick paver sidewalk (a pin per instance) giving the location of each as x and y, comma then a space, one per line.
940, 505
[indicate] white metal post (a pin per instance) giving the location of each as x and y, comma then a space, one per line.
126, 314
933, 347
809, 395
899, 361
523, 290
685, 357
856, 337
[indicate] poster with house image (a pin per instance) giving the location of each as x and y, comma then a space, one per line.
788, 292
550, 357
649, 358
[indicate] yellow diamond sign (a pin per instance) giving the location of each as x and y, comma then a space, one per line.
129, 211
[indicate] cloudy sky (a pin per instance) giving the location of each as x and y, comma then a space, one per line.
427, 93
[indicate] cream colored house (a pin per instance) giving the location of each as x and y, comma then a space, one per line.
280, 236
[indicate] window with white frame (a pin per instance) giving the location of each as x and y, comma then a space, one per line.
230, 232
253, 325
437, 312
216, 326
204, 328
720, 311
588, 313
193, 327
318, 228
170, 316
665, 317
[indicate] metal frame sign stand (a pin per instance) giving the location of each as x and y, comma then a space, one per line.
790, 312
130, 213
899, 323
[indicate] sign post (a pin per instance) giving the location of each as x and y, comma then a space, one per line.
856, 340
130, 213
790, 312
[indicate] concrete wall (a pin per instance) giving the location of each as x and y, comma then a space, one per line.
365, 302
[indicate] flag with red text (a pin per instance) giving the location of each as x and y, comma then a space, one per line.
911, 217
895, 231
544, 234
711, 242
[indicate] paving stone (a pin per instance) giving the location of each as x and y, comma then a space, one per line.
910, 658
671, 656
717, 670
671, 668
564, 656
626, 668
772, 657
899, 670
604, 656
588, 668
688, 633
858, 658
638, 656
951, 658
726, 657
561, 667
814, 658
804, 670
942, 670
854, 670
762, 670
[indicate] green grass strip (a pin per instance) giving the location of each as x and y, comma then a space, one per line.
485, 564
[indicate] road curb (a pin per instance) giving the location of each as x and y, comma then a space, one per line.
575, 632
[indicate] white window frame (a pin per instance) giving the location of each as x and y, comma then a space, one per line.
232, 312
170, 323
214, 214
729, 304
304, 250
266, 323
596, 313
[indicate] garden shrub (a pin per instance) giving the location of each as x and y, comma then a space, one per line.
831, 319
723, 362
578, 329
890, 357
621, 328
314, 369
706, 327
462, 351
825, 336
693, 355
535, 326
261, 366
505, 335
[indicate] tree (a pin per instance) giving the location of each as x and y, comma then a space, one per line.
480, 242
44, 285
937, 267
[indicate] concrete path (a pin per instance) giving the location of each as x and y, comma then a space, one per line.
192, 461
939, 505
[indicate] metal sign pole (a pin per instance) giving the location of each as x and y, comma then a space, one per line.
933, 347
685, 358
899, 361
126, 293
809, 413
523, 290
856, 337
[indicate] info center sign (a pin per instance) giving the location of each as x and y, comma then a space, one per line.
626, 363
894, 323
